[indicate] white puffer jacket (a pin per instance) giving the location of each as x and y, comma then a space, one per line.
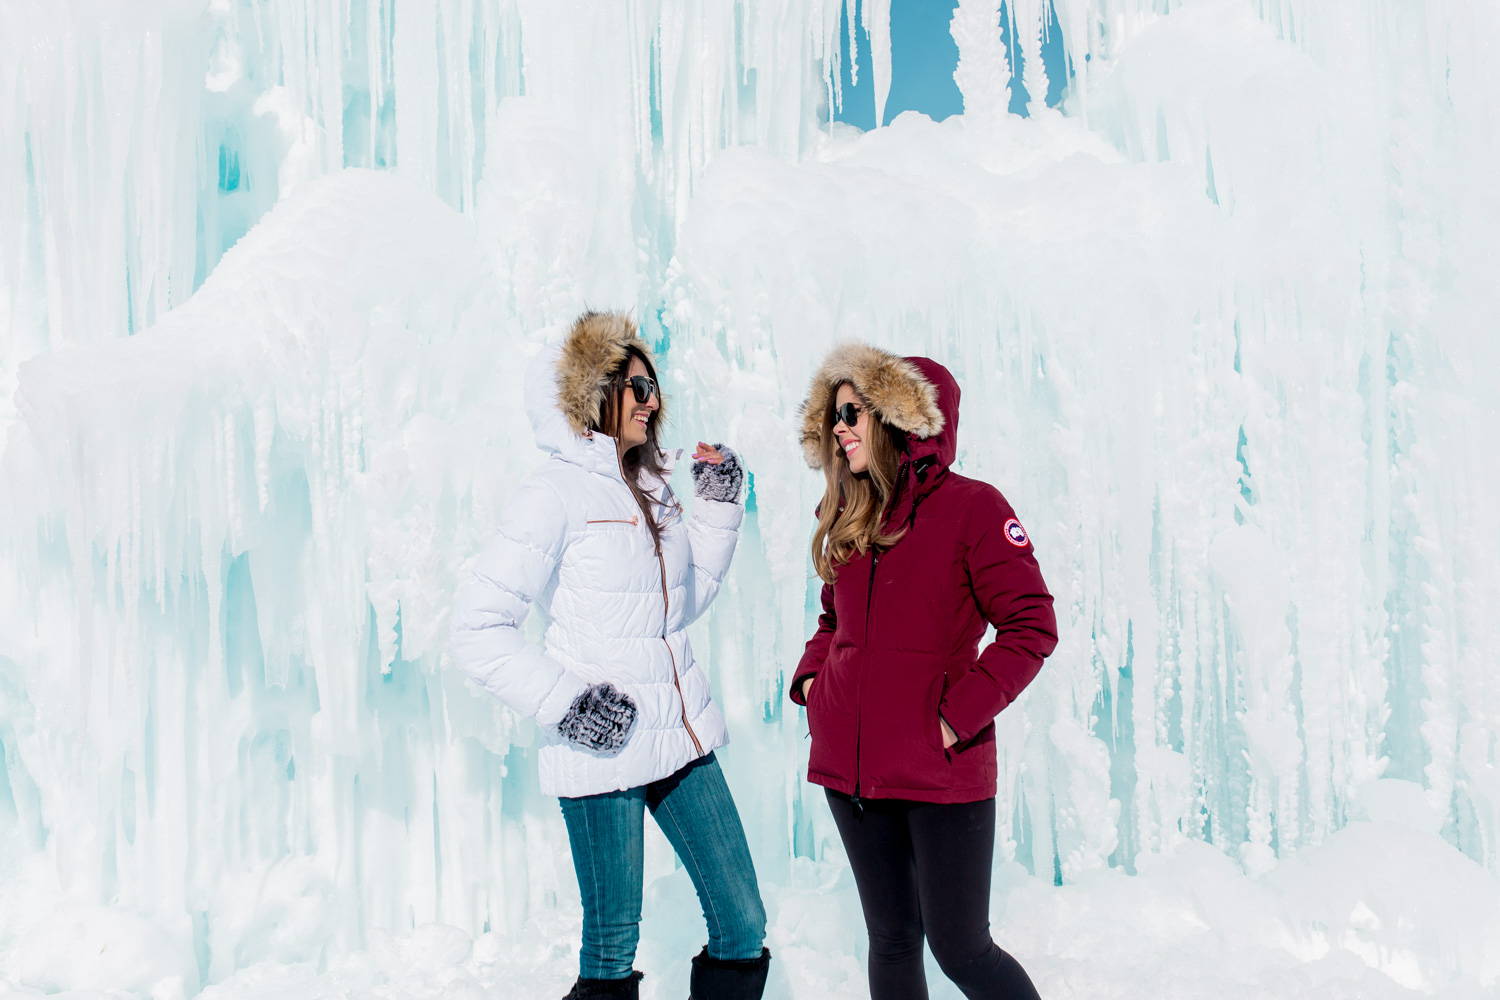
572, 542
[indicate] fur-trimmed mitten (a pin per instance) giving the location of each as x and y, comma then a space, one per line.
722, 481
599, 719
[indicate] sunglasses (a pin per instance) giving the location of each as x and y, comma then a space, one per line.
644, 387
848, 415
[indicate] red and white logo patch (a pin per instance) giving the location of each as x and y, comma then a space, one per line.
1015, 534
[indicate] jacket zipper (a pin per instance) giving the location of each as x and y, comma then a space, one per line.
662, 562
665, 609
859, 714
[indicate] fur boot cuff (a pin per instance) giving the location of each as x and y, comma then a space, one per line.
628, 988
720, 979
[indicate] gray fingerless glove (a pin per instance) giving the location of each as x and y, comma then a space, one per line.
722, 481
599, 719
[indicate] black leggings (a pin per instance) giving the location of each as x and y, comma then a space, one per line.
924, 868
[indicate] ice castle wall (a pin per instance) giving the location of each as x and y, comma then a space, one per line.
268, 271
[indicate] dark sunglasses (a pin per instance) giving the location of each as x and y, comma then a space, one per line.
848, 415
643, 386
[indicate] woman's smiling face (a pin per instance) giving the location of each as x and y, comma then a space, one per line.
852, 439
633, 415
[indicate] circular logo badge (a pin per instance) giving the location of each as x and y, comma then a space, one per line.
1015, 534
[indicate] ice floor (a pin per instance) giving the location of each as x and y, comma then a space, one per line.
1382, 910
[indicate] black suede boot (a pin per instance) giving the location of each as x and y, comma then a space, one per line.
607, 989
716, 979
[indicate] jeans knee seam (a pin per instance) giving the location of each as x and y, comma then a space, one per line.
596, 890
604, 944
687, 845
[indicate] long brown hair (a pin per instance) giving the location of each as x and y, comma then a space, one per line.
644, 460
854, 505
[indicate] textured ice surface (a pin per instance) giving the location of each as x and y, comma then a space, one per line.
269, 272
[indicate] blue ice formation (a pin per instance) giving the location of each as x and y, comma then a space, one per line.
268, 272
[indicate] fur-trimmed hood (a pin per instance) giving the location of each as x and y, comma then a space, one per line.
916, 395
563, 383
593, 348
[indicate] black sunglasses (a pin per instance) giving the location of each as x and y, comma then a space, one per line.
848, 415
643, 386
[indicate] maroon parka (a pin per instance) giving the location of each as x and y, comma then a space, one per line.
897, 643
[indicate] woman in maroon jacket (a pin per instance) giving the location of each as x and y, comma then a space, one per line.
915, 559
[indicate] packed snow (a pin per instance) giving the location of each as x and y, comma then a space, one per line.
270, 272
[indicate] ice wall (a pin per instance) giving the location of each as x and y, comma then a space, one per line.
1221, 322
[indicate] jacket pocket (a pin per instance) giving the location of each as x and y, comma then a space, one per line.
933, 719
814, 696
825, 701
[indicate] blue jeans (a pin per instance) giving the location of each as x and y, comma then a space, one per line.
607, 833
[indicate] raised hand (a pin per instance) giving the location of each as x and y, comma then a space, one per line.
717, 473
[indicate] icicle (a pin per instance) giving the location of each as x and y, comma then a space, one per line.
876, 17
983, 73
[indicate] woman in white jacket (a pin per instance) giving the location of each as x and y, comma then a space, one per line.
596, 539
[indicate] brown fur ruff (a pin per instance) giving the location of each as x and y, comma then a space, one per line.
894, 389
594, 349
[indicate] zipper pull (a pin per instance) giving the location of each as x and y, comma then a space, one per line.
858, 807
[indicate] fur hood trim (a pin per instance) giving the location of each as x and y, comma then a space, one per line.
895, 389
594, 348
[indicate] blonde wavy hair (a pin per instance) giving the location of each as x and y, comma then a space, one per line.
853, 508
